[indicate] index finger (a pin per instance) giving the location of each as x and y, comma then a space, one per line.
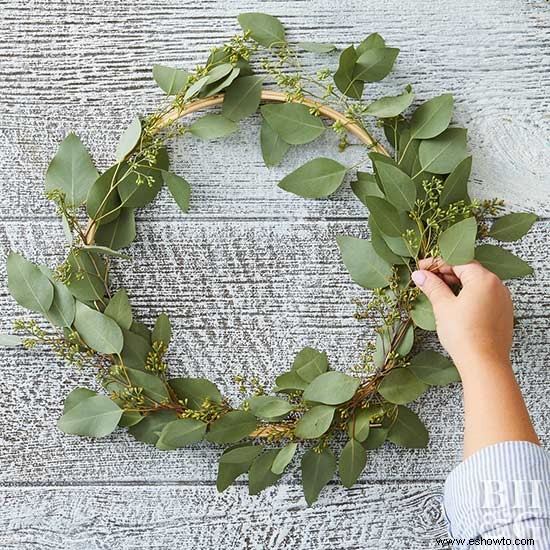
464, 273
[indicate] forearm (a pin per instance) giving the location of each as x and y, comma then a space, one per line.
494, 410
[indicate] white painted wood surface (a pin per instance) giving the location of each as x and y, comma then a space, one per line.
252, 273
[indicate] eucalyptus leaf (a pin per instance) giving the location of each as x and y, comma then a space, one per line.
10, 341
128, 140
260, 475
229, 472
316, 179
120, 310
100, 332
398, 187
96, 416
170, 80
105, 250
359, 426
264, 29
365, 186
344, 77
456, 185
401, 386
512, 227
457, 242
194, 391
365, 266
268, 407
290, 382
376, 438
422, 313
434, 369
375, 64
196, 87
317, 470
502, 263
310, 363
135, 351
432, 117
103, 202
408, 430
62, 310
153, 387
381, 247
352, 462
283, 458
442, 154
315, 422
87, 273
331, 388
118, 234
293, 122
385, 215
232, 427
406, 342
162, 331
212, 126
149, 429
71, 171
28, 285
316, 47
240, 455
181, 432
242, 98
391, 106
220, 85
273, 145
373, 40
179, 189
76, 396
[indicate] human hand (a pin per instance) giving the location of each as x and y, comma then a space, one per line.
477, 324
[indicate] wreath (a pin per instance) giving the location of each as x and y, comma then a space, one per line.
419, 207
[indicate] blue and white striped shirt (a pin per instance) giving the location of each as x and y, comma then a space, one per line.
501, 493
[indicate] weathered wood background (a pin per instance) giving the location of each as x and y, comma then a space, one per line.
252, 273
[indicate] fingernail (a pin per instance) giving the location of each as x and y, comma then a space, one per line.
418, 277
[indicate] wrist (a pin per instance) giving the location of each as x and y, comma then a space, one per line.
475, 364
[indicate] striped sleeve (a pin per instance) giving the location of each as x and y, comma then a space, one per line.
501, 492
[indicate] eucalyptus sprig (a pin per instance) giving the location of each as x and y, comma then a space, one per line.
419, 207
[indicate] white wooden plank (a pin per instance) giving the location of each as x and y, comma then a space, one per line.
387, 515
77, 66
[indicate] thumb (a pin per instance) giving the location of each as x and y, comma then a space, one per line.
433, 287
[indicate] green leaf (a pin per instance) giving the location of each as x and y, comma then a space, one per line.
502, 263
344, 77
422, 313
242, 98
181, 432
28, 285
141, 330
103, 202
366, 268
194, 391
408, 430
401, 386
128, 140
240, 455
100, 332
290, 381
283, 458
316, 179
512, 227
373, 40
229, 472
375, 64
317, 470
434, 369
10, 341
316, 47
268, 407
260, 475
332, 388
219, 56
273, 146
149, 429
359, 425
71, 171
162, 332
264, 29
352, 462
153, 386
442, 154
310, 363
87, 272
391, 106
432, 118
456, 185
385, 215
170, 80
315, 422
179, 189
406, 343
129, 418
95, 416
119, 233
398, 188
105, 251
376, 438
457, 242
293, 122
220, 85
135, 351
219, 72
213, 127
365, 186
381, 247
196, 87
76, 396
120, 310
62, 310
232, 427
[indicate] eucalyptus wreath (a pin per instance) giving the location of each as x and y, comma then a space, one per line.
418, 206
